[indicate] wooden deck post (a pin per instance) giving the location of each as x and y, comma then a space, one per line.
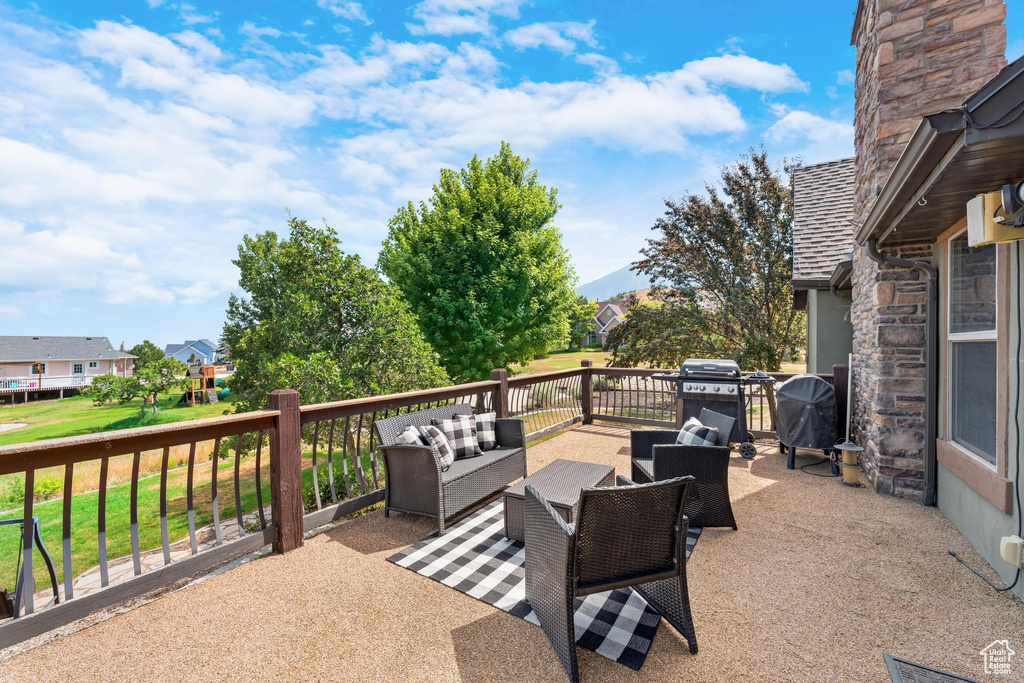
500, 396
286, 470
587, 391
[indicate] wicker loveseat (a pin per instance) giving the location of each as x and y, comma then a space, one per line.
414, 481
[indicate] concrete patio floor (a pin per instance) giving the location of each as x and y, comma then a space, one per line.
818, 582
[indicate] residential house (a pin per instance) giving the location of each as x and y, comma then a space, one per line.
937, 364
822, 241
609, 315
201, 351
30, 365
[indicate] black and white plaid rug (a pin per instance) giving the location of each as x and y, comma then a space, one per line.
475, 558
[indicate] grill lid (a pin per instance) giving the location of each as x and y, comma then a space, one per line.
709, 368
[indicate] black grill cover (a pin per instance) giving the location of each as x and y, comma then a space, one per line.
806, 412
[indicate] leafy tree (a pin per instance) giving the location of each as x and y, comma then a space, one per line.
152, 379
581, 319
483, 267
146, 352
318, 321
726, 260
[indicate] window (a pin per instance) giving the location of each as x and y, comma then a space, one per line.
93, 365
39, 368
76, 369
971, 331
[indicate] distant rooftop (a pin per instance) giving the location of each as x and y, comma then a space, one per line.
33, 349
822, 211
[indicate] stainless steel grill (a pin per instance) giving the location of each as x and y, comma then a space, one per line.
715, 384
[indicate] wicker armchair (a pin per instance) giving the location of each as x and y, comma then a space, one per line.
655, 456
414, 481
628, 535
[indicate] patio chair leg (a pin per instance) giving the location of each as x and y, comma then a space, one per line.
792, 458
671, 599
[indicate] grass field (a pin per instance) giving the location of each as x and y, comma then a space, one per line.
562, 360
85, 506
77, 415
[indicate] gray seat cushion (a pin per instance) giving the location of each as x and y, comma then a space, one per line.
464, 466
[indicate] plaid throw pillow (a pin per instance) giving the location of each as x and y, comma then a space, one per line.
436, 438
485, 434
461, 434
411, 437
694, 433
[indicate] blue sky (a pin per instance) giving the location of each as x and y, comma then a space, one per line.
139, 140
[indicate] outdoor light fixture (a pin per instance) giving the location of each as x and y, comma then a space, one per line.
1013, 201
988, 220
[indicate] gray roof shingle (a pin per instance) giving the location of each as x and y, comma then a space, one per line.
822, 211
32, 349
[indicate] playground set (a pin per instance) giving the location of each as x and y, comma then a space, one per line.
204, 387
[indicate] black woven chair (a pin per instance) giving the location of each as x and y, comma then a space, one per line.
414, 481
627, 535
655, 456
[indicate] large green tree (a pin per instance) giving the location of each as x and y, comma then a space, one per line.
483, 266
581, 319
725, 258
155, 377
316, 320
146, 352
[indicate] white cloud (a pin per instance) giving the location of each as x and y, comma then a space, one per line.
149, 61
845, 77
813, 137
458, 17
127, 287
561, 36
345, 9
747, 72
604, 66
131, 149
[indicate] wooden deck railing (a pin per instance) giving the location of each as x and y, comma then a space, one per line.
317, 462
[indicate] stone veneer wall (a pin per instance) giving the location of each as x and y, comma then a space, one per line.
914, 57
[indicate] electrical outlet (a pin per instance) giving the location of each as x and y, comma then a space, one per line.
1011, 549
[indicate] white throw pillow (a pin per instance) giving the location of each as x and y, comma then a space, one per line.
411, 437
694, 433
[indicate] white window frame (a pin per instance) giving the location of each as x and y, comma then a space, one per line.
958, 337
78, 365
45, 367
94, 365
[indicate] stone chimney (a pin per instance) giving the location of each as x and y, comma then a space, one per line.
914, 57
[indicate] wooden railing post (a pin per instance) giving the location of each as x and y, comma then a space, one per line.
286, 470
499, 397
587, 391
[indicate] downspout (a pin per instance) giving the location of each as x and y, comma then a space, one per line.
931, 381
836, 292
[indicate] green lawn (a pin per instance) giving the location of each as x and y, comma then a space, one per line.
84, 508
77, 415
563, 360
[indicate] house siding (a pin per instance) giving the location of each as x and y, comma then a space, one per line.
980, 520
829, 331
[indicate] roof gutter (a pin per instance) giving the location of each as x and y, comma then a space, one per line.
930, 138
931, 381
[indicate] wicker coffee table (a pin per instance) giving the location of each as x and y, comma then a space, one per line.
560, 483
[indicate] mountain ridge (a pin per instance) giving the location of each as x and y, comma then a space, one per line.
615, 282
